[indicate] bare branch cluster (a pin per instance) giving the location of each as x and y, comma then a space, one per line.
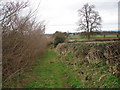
23, 39
89, 19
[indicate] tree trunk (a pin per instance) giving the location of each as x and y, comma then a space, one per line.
88, 36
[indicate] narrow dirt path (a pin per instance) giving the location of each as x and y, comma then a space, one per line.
48, 73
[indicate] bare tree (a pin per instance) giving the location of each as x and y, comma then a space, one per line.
9, 13
89, 19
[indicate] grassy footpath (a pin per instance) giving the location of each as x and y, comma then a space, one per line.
48, 72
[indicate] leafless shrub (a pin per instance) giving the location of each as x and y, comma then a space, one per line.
23, 39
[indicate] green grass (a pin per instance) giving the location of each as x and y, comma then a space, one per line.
77, 39
49, 72
102, 36
72, 79
73, 37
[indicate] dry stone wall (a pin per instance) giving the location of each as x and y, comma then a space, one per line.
95, 52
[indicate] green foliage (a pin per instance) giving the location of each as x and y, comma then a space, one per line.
59, 37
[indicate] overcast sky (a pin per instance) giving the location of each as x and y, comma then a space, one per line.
62, 15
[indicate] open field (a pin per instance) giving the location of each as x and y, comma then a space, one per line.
93, 37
